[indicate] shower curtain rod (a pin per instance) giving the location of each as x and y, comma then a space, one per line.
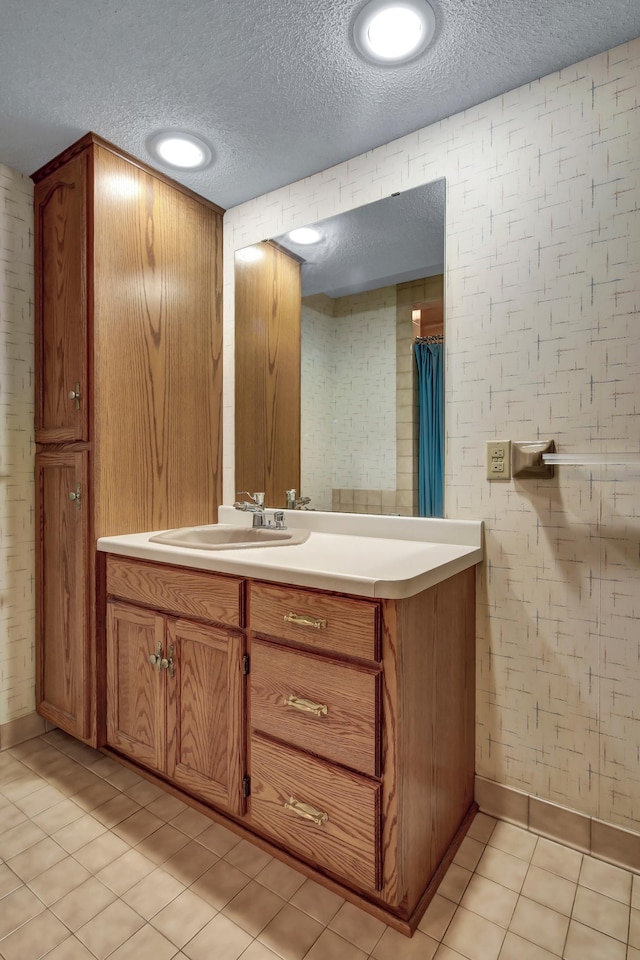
435, 338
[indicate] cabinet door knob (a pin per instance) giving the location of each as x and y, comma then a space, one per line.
304, 620
74, 496
75, 395
306, 812
155, 659
306, 706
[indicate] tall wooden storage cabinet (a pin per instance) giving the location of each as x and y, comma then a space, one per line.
128, 391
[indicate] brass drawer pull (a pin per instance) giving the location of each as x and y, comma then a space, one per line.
306, 706
306, 812
303, 620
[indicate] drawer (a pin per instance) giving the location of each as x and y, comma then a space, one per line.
185, 593
335, 624
328, 708
344, 837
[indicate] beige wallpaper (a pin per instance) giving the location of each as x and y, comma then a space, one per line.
17, 528
542, 315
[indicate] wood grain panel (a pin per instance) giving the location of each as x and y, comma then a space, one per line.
267, 373
348, 844
188, 593
61, 304
135, 689
157, 352
62, 615
349, 732
205, 713
352, 626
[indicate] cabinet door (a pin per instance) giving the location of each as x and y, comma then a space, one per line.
135, 686
63, 572
205, 713
61, 304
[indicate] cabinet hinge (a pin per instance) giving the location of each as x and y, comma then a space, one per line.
245, 664
246, 786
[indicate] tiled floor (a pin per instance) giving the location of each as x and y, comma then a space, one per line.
95, 862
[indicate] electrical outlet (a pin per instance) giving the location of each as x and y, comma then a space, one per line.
498, 460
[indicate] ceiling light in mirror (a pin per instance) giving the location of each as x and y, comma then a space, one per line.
391, 33
304, 235
249, 254
179, 149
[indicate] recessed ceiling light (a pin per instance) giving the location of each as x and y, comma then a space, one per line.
393, 31
304, 235
179, 149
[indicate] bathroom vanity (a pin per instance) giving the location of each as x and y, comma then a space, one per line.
318, 698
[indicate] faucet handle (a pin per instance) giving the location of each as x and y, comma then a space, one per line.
257, 498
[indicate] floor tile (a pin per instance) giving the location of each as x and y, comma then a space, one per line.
358, 927
79, 833
634, 928
395, 946
58, 816
253, 907
110, 929
19, 838
550, 890
183, 918
583, 943
18, 907
125, 871
218, 839
8, 880
446, 953
144, 792
36, 859
190, 862
59, 880
291, 933
473, 936
490, 900
281, 879
34, 939
316, 901
469, 853
154, 892
83, 903
191, 822
455, 882
514, 840
330, 946
220, 884
162, 844
515, 948
602, 913
258, 951
482, 827
135, 828
70, 949
40, 801
94, 795
102, 851
503, 868
220, 939
248, 858
437, 917
146, 944
537, 923
116, 810
604, 878
166, 807
557, 859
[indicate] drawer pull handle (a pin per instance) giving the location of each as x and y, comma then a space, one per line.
303, 620
306, 812
306, 706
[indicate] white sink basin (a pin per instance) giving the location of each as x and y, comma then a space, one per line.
225, 536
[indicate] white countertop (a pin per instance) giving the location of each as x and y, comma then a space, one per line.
368, 556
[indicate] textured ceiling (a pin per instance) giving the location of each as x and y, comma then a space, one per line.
393, 240
274, 85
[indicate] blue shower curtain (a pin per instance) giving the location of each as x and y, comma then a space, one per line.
431, 429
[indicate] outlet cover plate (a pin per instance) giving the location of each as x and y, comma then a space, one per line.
498, 460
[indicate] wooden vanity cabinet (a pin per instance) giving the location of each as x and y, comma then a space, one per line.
176, 686
361, 748
349, 721
128, 389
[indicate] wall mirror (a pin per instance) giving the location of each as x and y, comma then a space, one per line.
352, 303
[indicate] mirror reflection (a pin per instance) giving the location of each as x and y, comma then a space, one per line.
371, 286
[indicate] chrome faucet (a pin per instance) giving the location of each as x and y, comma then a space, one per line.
296, 503
257, 508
